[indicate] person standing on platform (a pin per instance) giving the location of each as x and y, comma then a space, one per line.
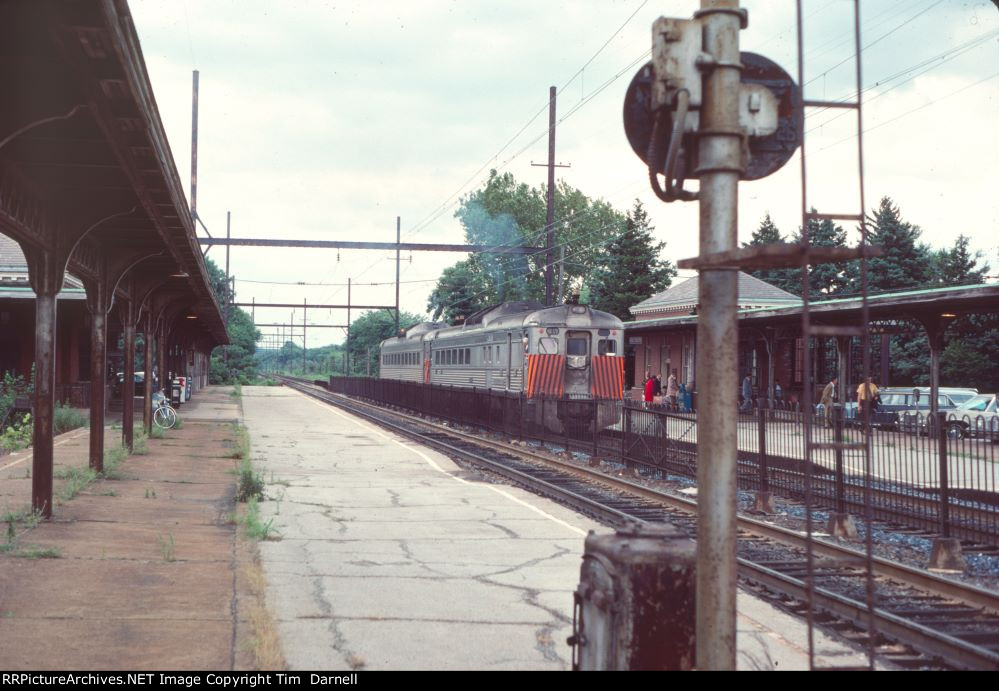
747, 395
828, 396
671, 392
866, 393
650, 388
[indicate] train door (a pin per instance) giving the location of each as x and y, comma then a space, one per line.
428, 360
509, 360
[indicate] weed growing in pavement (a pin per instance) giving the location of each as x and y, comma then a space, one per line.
113, 458
140, 442
256, 529
30, 552
250, 485
150, 493
157, 432
167, 546
77, 479
23, 519
179, 425
241, 442
237, 391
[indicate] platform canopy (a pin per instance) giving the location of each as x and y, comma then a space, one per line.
87, 178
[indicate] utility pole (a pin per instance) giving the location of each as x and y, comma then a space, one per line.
550, 212
347, 344
720, 166
194, 149
228, 297
398, 238
305, 309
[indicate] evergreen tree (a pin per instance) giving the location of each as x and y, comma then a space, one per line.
905, 262
825, 279
956, 266
630, 270
785, 279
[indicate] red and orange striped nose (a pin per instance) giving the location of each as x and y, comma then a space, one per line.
607, 379
545, 375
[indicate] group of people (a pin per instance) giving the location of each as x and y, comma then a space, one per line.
654, 389
867, 398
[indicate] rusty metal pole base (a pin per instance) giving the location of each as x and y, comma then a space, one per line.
946, 555
842, 525
763, 503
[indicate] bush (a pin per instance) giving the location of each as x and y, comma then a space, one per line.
17, 435
65, 418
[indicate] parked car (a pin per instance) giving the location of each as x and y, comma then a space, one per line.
978, 417
901, 407
140, 382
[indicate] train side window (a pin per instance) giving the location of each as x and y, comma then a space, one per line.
468, 356
548, 345
461, 356
606, 347
498, 354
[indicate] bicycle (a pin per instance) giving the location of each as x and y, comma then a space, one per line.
164, 416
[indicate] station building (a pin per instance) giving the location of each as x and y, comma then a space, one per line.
663, 337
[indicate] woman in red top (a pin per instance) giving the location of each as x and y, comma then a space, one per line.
650, 387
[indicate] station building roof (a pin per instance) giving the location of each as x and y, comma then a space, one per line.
682, 297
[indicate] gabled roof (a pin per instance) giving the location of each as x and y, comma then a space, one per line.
14, 267
683, 297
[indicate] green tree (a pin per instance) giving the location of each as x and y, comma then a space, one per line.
507, 213
786, 279
906, 261
243, 336
957, 266
458, 292
826, 279
630, 269
367, 334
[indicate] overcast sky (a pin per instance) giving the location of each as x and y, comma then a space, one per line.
326, 120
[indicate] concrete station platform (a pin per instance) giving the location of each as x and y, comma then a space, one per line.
140, 572
390, 556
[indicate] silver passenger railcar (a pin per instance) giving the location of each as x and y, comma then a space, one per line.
564, 352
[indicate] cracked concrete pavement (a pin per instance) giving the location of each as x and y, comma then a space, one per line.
390, 559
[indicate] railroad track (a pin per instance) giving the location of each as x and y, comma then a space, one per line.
922, 620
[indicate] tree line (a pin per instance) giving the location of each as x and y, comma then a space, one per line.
971, 349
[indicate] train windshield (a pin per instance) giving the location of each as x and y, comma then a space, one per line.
575, 346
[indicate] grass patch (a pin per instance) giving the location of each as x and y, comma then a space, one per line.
237, 391
113, 458
30, 551
167, 547
257, 529
241, 442
140, 443
264, 641
157, 432
77, 479
19, 521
